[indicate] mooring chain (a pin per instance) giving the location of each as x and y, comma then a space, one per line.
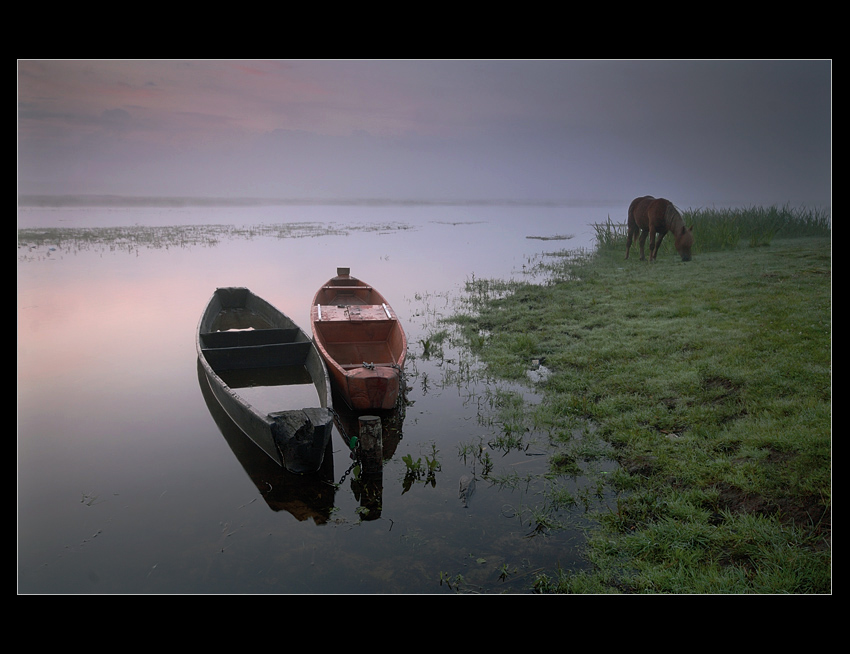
354, 442
353, 445
347, 472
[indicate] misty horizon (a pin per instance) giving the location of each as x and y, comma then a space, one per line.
700, 133
174, 202
108, 200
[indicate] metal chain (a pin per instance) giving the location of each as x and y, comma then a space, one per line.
354, 447
347, 472
354, 443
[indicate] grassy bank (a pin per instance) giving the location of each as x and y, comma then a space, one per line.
709, 383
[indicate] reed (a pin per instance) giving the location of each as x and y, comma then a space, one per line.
610, 235
726, 229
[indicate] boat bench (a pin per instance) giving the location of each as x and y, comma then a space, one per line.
345, 287
255, 348
351, 313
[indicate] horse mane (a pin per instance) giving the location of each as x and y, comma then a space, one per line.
673, 217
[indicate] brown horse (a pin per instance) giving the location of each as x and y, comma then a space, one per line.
652, 217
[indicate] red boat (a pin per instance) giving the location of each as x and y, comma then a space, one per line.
361, 340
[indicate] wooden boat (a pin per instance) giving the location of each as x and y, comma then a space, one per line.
241, 338
302, 496
361, 340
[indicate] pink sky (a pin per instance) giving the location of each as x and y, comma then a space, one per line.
751, 132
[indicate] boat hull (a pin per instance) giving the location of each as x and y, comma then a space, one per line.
240, 331
362, 342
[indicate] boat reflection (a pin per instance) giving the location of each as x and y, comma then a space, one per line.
304, 496
313, 495
368, 489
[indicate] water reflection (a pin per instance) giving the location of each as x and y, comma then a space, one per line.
303, 496
367, 487
311, 496
109, 406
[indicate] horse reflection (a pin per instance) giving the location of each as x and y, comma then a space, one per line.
655, 217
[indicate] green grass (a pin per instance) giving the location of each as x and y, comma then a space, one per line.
727, 229
709, 383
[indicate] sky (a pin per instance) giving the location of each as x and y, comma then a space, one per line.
700, 133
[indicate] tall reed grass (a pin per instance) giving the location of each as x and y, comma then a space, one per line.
726, 229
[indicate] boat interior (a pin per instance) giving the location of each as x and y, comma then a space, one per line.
354, 335
254, 348
345, 292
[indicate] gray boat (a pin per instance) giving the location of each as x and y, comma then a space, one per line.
242, 338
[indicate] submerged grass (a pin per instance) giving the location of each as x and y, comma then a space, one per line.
40, 242
709, 383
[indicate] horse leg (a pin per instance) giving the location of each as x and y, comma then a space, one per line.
643, 234
653, 247
631, 236
653, 251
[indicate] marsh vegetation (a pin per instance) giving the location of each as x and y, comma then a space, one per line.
728, 229
56, 241
709, 384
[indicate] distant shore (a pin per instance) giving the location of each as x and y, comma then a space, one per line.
200, 201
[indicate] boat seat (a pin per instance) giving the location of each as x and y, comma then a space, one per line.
260, 348
248, 337
343, 287
353, 313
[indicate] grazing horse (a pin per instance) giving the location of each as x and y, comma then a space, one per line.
652, 217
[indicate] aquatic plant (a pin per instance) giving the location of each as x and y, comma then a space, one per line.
35, 242
415, 470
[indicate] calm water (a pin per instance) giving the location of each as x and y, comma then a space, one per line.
131, 481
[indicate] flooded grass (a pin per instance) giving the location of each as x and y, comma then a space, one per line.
553, 462
709, 384
49, 242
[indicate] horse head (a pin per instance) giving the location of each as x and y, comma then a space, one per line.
684, 235
684, 241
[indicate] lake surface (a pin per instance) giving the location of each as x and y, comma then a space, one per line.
130, 479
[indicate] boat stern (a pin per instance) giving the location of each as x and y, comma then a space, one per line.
302, 437
375, 387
